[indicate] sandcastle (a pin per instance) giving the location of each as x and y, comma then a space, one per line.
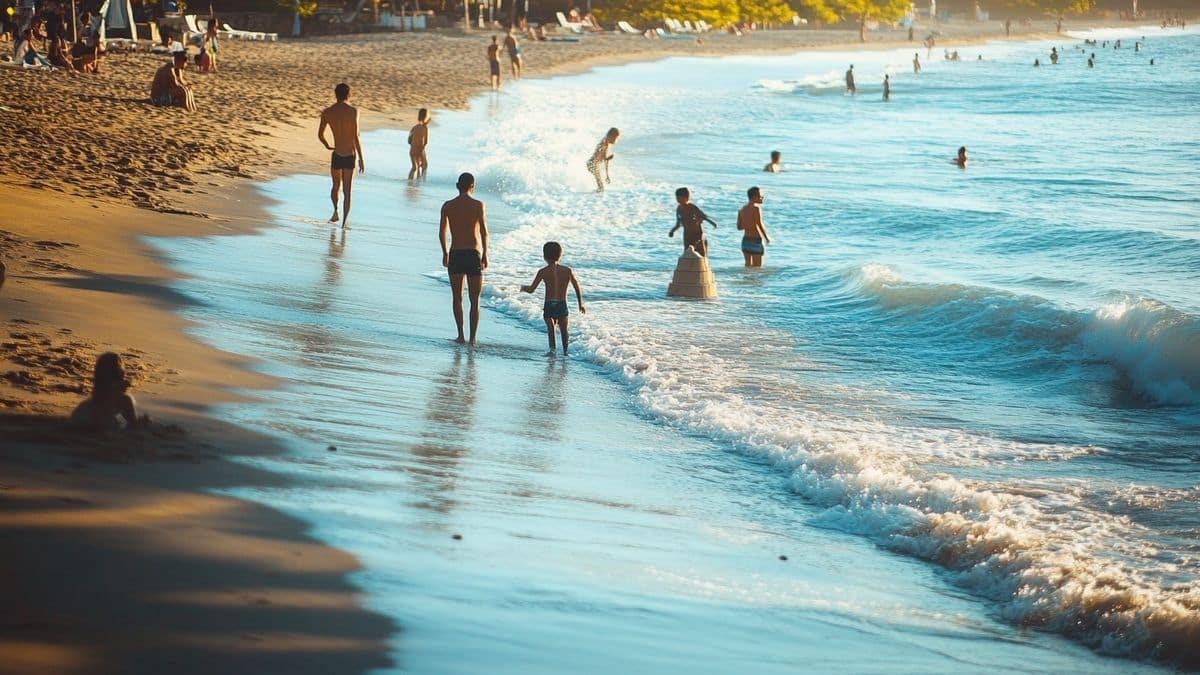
693, 277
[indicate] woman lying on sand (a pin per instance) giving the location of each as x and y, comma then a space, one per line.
110, 401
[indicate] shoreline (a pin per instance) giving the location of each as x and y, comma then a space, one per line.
97, 282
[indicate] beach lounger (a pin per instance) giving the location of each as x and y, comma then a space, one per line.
689, 27
249, 34
562, 21
669, 36
624, 27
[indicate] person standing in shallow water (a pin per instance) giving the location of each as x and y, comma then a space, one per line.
342, 120
916, 62
557, 278
850, 88
514, 53
464, 218
887, 88
418, 138
493, 57
754, 232
601, 157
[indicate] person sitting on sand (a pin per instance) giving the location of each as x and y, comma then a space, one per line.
754, 232
85, 54
514, 53
601, 156
691, 219
169, 88
961, 159
342, 119
26, 54
493, 58
464, 218
110, 407
418, 138
557, 277
776, 163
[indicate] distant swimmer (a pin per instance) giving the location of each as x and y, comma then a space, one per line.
961, 159
1036, 63
979, 58
465, 220
850, 88
601, 156
418, 138
1091, 62
887, 88
689, 217
916, 62
1151, 61
557, 278
1054, 55
1117, 44
754, 232
493, 58
776, 163
1137, 47
342, 120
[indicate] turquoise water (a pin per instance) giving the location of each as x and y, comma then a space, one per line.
965, 405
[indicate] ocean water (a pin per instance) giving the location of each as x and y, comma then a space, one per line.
963, 404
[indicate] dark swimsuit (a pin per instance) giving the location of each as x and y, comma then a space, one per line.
555, 309
337, 161
753, 246
466, 261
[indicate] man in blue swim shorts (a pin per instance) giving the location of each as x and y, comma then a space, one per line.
750, 222
557, 277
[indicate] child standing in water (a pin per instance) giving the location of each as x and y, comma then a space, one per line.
691, 219
556, 276
418, 138
750, 222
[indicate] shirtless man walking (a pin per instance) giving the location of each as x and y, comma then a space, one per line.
466, 258
418, 138
342, 119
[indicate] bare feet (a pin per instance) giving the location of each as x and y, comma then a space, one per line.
334, 217
461, 340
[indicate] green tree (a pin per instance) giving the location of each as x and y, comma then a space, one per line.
861, 11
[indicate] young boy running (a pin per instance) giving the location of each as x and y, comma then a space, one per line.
749, 221
556, 277
691, 219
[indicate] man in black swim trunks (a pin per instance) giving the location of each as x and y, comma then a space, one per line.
466, 258
493, 57
342, 119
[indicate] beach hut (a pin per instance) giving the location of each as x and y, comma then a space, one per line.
117, 20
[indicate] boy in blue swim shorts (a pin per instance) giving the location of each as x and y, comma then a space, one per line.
754, 232
557, 277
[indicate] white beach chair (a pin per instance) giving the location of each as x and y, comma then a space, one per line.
689, 27
703, 26
562, 21
624, 27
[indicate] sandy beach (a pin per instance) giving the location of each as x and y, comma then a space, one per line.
120, 558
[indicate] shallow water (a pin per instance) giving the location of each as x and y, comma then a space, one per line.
964, 404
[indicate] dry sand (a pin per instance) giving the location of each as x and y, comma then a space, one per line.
116, 557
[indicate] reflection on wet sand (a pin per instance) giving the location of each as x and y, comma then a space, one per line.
546, 404
446, 438
314, 341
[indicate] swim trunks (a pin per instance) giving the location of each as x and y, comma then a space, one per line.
162, 100
753, 246
466, 261
555, 309
495, 66
337, 161
515, 54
